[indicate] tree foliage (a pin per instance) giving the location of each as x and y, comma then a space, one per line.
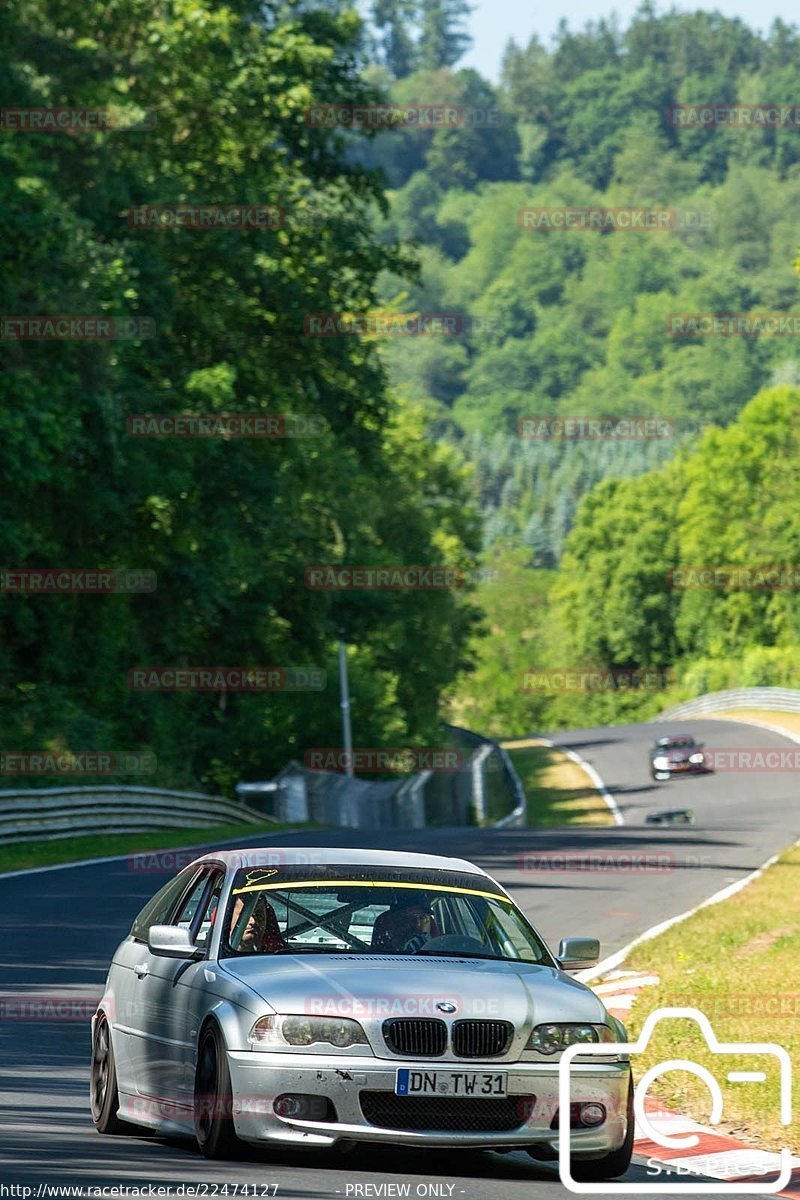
228, 526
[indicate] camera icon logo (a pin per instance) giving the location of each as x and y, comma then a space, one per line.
675, 1141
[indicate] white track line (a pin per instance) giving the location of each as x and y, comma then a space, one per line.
614, 960
593, 775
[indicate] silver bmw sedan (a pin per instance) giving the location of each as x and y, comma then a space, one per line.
313, 997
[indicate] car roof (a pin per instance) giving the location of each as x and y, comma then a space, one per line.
675, 739
259, 856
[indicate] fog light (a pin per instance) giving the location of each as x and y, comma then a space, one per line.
582, 1116
304, 1108
591, 1115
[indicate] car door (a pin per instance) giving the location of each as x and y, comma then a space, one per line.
176, 996
127, 1009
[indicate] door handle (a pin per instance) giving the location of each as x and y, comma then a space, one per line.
141, 969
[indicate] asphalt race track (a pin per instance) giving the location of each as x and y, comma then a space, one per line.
60, 927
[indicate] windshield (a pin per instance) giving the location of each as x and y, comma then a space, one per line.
372, 917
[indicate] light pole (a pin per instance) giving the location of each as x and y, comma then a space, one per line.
347, 733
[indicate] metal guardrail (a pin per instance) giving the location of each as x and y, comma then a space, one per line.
33, 814
498, 797
484, 790
781, 699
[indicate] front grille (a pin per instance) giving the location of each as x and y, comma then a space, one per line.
419, 1036
481, 1039
446, 1114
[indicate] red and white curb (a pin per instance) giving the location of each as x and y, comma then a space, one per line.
714, 1155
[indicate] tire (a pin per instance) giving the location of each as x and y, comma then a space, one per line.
103, 1093
611, 1166
213, 1098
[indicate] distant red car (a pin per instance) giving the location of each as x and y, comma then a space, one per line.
679, 754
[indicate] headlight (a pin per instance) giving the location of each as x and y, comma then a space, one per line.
550, 1039
697, 758
661, 763
274, 1032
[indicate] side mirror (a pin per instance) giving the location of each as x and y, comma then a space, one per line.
171, 941
576, 953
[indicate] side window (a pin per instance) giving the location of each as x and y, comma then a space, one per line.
157, 910
188, 906
210, 909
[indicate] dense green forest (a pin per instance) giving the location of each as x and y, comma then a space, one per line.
228, 526
417, 456
573, 323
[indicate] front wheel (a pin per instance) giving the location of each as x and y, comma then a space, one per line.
103, 1093
213, 1098
612, 1165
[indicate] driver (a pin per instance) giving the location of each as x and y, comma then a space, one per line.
418, 919
255, 928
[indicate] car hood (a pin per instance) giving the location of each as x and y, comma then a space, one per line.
383, 986
677, 753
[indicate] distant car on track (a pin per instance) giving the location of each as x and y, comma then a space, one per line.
347, 996
678, 754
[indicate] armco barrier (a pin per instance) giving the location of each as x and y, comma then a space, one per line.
484, 791
32, 814
780, 699
496, 794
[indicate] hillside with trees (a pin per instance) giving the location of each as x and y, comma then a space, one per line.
556, 323
418, 456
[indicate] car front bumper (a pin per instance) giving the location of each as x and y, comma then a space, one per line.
257, 1078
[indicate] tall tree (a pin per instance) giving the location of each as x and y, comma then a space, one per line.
443, 38
395, 20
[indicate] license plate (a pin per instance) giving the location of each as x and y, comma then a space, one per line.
411, 1082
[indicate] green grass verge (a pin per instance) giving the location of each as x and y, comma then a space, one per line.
558, 791
47, 854
737, 962
785, 720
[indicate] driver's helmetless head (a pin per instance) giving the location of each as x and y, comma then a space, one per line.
256, 924
420, 916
